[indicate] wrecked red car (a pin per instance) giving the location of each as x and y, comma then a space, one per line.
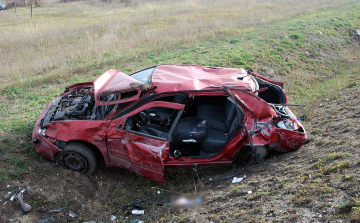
166, 115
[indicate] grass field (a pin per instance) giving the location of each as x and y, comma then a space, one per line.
66, 43
72, 42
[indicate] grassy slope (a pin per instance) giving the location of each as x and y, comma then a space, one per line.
275, 50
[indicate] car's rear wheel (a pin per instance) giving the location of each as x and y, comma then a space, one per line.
78, 157
260, 153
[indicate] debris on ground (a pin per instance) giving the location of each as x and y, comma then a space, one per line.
26, 207
135, 204
113, 218
137, 212
57, 210
11, 193
17, 194
72, 214
237, 179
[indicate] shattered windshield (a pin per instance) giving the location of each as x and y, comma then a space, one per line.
144, 75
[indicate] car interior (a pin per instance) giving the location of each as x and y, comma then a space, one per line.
204, 128
271, 93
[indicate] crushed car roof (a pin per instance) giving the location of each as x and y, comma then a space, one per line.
192, 77
169, 78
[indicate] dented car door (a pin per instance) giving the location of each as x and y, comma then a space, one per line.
139, 140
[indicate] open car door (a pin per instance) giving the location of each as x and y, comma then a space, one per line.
139, 140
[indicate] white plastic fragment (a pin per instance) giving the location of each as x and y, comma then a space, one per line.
72, 214
158, 192
249, 192
137, 212
12, 198
238, 179
8, 194
113, 218
11, 194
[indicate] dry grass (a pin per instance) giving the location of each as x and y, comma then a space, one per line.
60, 39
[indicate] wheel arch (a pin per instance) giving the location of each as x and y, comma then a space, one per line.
99, 155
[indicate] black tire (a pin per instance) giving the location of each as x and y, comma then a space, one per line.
260, 153
78, 157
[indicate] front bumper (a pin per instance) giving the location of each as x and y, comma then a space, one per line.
42, 145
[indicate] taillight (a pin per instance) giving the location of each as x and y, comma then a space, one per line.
290, 124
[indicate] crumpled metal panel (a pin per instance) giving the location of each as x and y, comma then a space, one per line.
258, 107
143, 155
93, 132
80, 85
169, 78
44, 147
290, 140
115, 81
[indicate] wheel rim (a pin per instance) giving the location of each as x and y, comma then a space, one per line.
74, 161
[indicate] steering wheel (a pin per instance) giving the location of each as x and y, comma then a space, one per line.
145, 119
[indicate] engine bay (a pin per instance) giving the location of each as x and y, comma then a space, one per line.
77, 105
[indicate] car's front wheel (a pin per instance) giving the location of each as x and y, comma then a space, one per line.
78, 157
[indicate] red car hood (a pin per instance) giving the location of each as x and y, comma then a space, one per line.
114, 81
